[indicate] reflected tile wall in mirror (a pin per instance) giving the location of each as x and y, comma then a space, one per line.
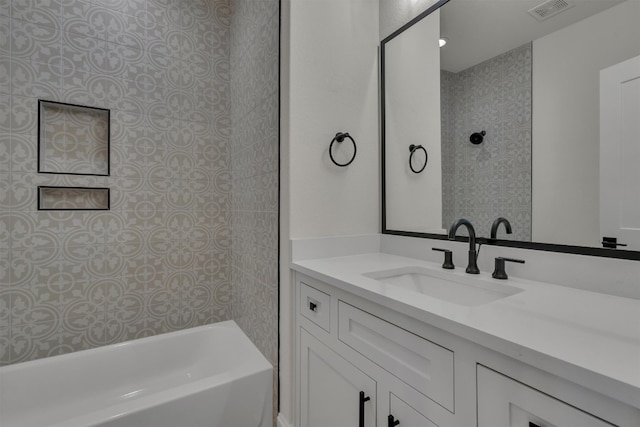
483, 182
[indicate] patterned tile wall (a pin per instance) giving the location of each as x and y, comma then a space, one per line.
492, 179
254, 172
159, 260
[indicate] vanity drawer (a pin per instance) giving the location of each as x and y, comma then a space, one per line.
425, 366
315, 305
504, 402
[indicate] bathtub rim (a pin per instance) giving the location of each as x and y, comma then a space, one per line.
227, 324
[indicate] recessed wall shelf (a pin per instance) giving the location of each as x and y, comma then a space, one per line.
73, 139
73, 199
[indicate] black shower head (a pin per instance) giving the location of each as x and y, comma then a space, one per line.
477, 137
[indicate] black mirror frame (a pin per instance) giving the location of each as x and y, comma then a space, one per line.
550, 247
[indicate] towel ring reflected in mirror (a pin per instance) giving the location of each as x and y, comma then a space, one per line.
412, 149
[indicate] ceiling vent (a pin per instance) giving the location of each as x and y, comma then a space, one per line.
550, 8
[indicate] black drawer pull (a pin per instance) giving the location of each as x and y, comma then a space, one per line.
392, 422
363, 399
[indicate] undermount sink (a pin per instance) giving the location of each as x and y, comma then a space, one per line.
445, 285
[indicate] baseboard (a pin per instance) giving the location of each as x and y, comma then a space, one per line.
282, 421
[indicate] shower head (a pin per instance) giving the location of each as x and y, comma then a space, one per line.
477, 137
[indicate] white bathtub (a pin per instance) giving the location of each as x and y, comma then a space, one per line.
209, 376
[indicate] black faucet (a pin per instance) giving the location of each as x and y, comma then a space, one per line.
472, 268
496, 224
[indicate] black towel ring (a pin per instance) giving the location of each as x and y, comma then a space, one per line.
413, 148
340, 136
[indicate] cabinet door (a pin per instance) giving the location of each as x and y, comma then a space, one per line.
330, 388
504, 402
620, 152
405, 415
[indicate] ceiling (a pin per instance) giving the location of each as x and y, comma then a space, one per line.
477, 30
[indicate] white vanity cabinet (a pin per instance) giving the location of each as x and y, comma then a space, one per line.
333, 391
344, 351
349, 348
504, 402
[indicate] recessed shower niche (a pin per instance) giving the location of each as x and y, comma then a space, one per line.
73, 198
73, 139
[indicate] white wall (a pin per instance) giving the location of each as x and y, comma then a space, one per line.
410, 92
329, 83
333, 86
395, 13
566, 115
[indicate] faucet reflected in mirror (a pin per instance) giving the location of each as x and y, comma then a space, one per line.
472, 267
496, 224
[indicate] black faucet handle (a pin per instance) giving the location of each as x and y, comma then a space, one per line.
448, 258
499, 271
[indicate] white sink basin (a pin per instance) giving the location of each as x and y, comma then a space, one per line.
465, 290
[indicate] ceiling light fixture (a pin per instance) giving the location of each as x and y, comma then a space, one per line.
442, 41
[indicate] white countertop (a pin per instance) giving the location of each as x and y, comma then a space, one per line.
586, 337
